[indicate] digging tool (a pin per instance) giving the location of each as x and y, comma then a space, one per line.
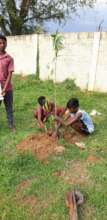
73, 199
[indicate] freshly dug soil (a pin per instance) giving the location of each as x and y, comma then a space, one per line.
42, 145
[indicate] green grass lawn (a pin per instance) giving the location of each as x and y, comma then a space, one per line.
47, 191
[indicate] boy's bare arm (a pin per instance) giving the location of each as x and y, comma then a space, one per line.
62, 120
72, 120
39, 118
66, 115
6, 83
69, 120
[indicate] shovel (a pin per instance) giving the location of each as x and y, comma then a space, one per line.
73, 199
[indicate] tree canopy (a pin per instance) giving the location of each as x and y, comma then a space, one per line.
23, 16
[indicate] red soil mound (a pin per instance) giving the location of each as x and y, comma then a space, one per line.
42, 145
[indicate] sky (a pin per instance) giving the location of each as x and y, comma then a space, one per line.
87, 20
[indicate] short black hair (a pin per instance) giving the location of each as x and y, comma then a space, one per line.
72, 103
2, 37
41, 100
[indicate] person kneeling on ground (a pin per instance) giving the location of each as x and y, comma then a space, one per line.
45, 110
77, 118
42, 111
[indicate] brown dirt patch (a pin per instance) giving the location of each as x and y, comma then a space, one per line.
23, 200
73, 137
93, 159
42, 145
23, 185
75, 173
32, 204
29, 201
59, 149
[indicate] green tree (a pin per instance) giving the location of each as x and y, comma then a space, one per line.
26, 16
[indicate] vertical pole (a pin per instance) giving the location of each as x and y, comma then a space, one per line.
95, 54
37, 60
55, 82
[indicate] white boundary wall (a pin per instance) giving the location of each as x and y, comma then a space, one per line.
74, 59
23, 50
83, 58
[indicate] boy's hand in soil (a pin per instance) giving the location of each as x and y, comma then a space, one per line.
60, 120
55, 134
41, 126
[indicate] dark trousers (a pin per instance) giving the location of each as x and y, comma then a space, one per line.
8, 102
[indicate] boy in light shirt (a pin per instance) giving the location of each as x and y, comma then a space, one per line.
76, 118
